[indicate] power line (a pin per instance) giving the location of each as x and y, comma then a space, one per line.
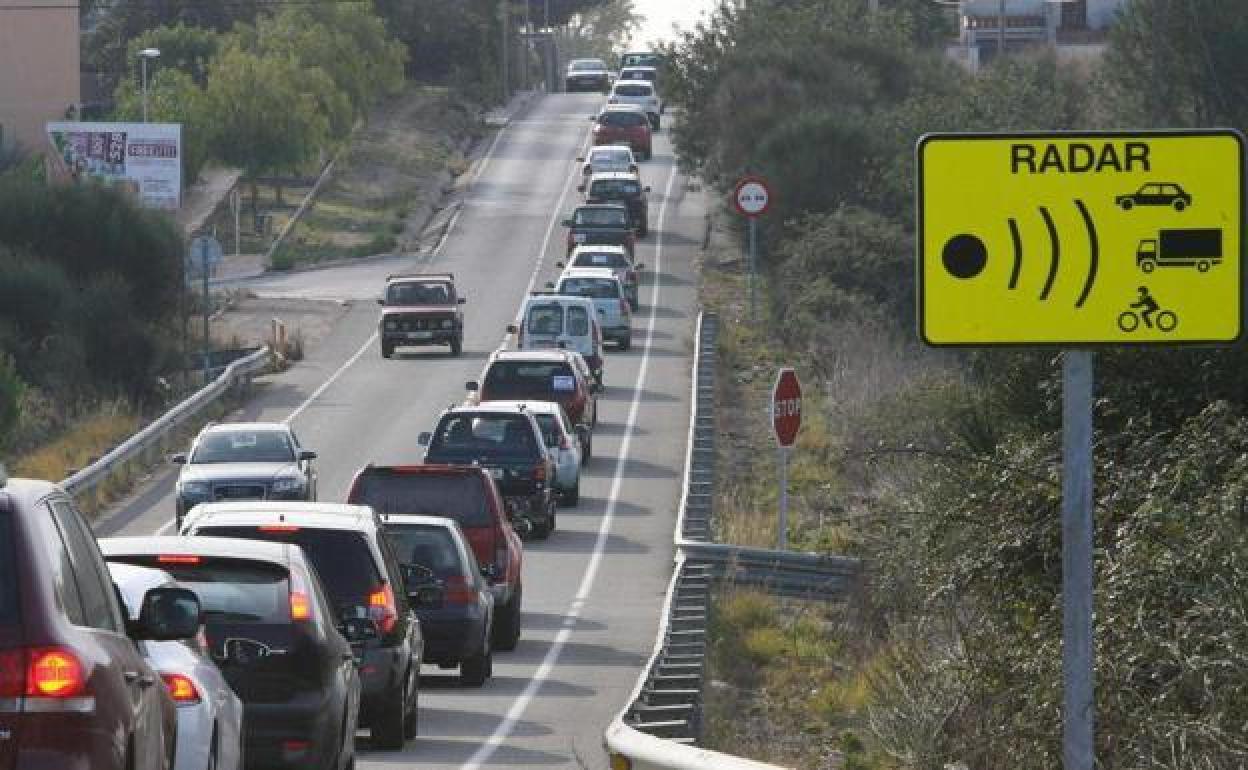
187, 3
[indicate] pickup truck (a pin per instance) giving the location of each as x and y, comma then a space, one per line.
607, 223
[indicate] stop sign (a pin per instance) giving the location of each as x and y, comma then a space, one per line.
786, 407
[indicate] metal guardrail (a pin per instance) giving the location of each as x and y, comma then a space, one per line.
150, 440
657, 730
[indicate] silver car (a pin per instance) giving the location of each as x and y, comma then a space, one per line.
615, 314
614, 257
210, 715
566, 445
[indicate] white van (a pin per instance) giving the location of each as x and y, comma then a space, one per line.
549, 321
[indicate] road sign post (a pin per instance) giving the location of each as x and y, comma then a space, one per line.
786, 421
752, 198
1055, 239
205, 254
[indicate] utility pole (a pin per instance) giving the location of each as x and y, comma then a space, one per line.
504, 13
1001, 29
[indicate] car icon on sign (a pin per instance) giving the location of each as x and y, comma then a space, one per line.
1156, 194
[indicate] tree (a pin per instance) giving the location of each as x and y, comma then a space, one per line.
182, 47
172, 97
265, 118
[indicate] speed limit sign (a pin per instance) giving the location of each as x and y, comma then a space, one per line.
751, 197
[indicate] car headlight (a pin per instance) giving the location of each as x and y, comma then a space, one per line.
392, 326
196, 489
289, 484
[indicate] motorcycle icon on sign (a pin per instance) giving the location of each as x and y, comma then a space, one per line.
1146, 310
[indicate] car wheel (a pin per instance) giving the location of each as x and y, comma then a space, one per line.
626, 342
634, 304
572, 496
507, 625
475, 670
212, 752
411, 722
1179, 205
386, 350
589, 451
387, 728
1126, 205
457, 345
541, 529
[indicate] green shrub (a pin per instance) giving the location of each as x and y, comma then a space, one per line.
11, 388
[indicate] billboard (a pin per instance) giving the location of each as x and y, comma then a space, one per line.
145, 158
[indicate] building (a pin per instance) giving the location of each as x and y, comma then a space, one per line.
1077, 28
39, 63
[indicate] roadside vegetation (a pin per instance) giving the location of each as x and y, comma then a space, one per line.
942, 470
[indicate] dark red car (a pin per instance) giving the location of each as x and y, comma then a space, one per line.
624, 124
75, 690
467, 494
561, 376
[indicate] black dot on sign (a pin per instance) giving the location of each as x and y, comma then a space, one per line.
965, 256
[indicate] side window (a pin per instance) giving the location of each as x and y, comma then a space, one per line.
326, 616
394, 574
99, 601
62, 567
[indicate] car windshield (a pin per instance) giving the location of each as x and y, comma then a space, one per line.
640, 74
627, 89
503, 434
614, 188
244, 446
578, 322
8, 572
640, 59
608, 155
545, 319
410, 293
606, 217
235, 590
427, 545
595, 288
621, 118
601, 259
459, 496
550, 429
587, 65
341, 557
521, 379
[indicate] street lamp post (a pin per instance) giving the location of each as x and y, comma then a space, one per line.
144, 55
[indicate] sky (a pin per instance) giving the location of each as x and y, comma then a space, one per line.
661, 14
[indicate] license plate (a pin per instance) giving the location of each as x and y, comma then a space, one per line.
496, 474
420, 335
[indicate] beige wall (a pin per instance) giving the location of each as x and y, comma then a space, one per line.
39, 77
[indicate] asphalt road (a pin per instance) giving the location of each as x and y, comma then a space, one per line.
593, 591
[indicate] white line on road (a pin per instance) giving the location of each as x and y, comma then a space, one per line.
505, 728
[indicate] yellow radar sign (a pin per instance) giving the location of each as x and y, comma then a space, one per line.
1080, 239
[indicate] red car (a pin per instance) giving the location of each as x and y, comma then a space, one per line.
467, 494
561, 376
624, 124
75, 689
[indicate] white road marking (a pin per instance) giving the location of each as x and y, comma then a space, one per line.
505, 728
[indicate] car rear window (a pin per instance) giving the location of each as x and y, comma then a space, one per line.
459, 496
588, 65
473, 433
545, 319
417, 293
578, 322
621, 118
597, 288
8, 571
233, 590
528, 378
631, 90
605, 217
614, 188
600, 259
426, 545
341, 557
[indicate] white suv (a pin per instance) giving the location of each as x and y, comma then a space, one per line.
640, 93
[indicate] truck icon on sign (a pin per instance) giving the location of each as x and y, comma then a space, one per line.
1198, 248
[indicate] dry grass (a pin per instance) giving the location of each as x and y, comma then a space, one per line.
95, 435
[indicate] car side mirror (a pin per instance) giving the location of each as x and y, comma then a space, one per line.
580, 159
491, 571
633, 168
560, 264
356, 630
593, 117
472, 386
639, 266
381, 300
461, 300
512, 328
178, 458
568, 223
580, 188
428, 595
550, 285
424, 438
415, 575
596, 388
168, 613
647, 188
307, 454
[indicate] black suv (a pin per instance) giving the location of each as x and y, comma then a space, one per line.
348, 547
506, 441
272, 631
75, 690
623, 188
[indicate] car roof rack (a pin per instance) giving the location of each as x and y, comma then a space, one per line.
393, 276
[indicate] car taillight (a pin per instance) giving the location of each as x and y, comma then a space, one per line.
459, 590
539, 473
177, 559
300, 606
383, 609
284, 528
12, 673
53, 672
181, 689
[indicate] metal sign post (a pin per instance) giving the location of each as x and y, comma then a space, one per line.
1078, 710
206, 253
752, 198
786, 421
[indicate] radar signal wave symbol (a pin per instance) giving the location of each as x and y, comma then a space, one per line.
965, 255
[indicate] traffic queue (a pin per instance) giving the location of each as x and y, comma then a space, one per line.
272, 627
